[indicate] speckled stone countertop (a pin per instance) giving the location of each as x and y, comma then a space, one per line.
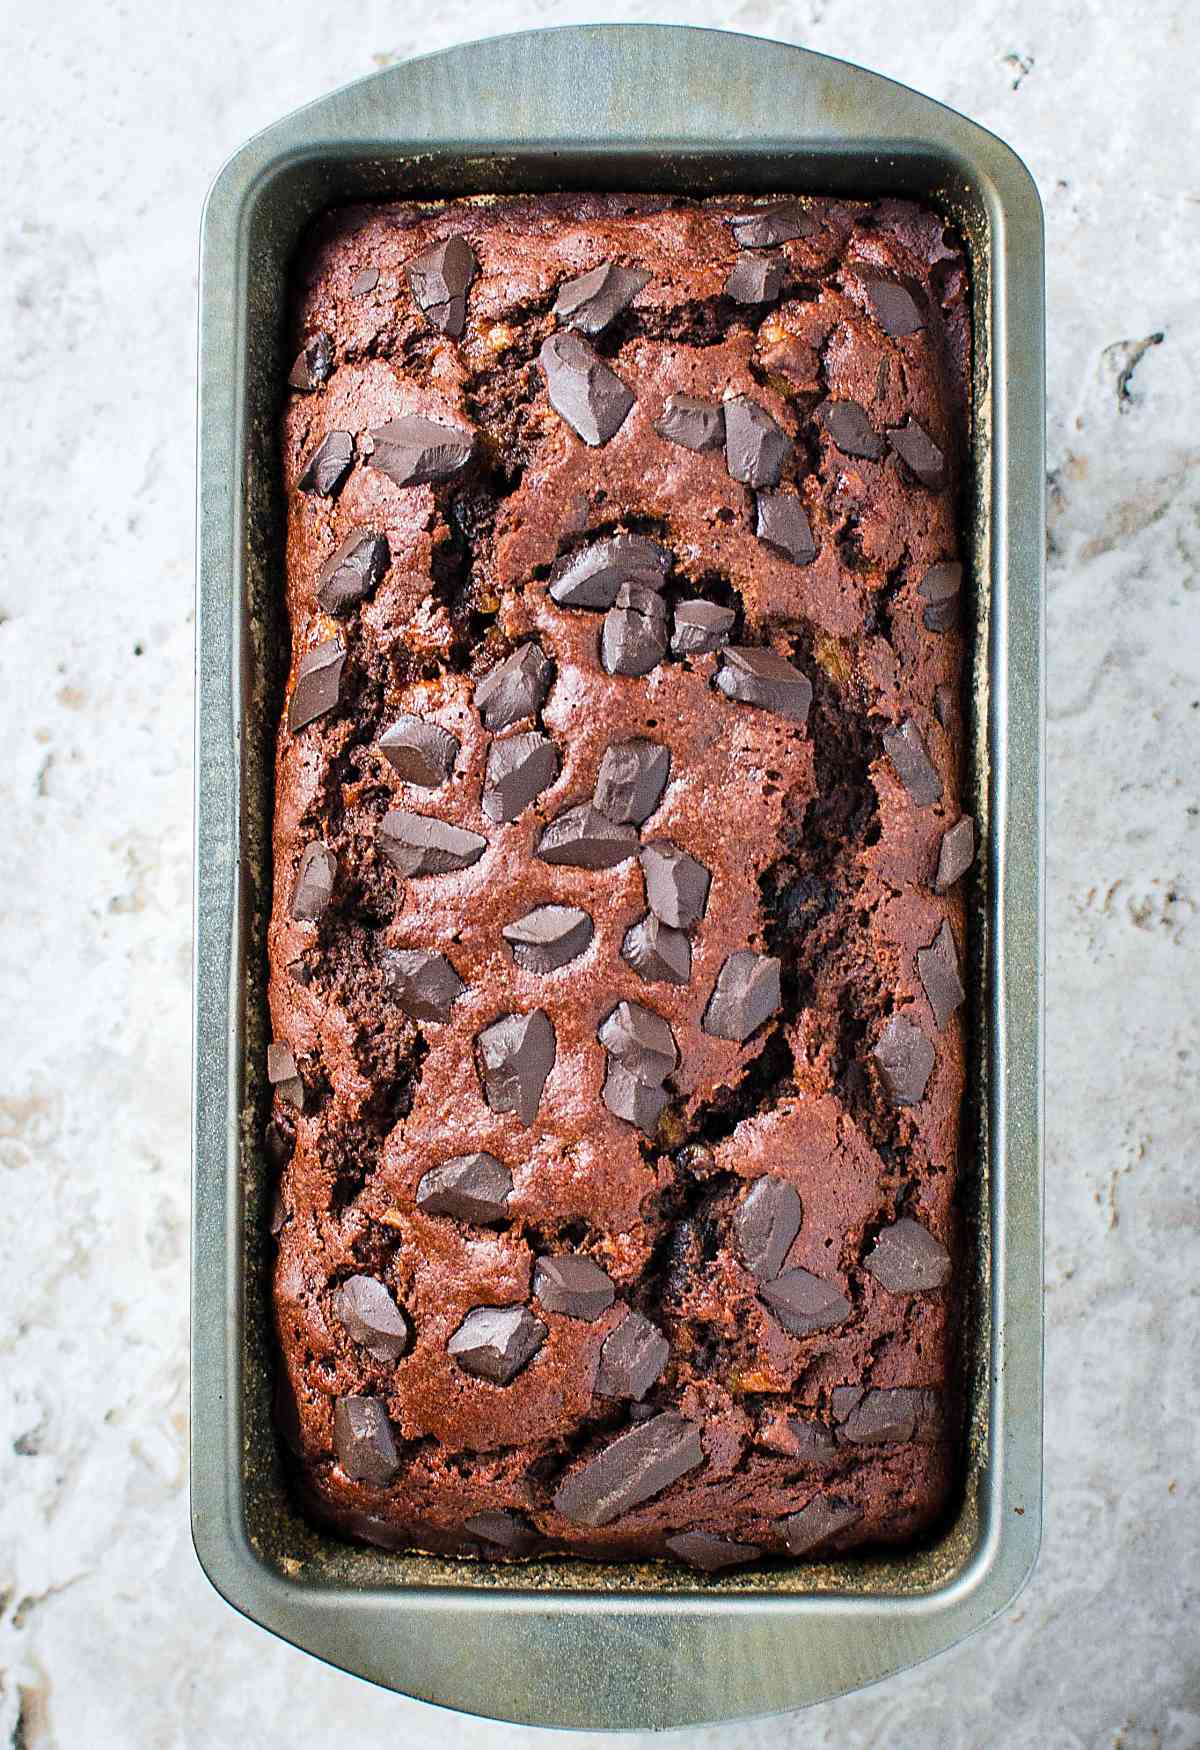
117, 117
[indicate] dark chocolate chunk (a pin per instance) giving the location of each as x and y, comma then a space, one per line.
591, 577
470, 1188
418, 844
920, 455
822, 1518
814, 1442
894, 308
906, 1259
515, 688
804, 1303
893, 1415
633, 639
283, 1075
957, 853
641, 1042
518, 769
637, 1465
351, 573
371, 1317
318, 682
700, 626
590, 302
415, 451
300, 972
440, 277
905, 1058
548, 937
637, 1102
516, 1055
708, 1552
755, 447
906, 749
363, 1441
280, 1214
693, 422
656, 951
767, 1221
633, 775
364, 281
939, 589
574, 1285
583, 390
422, 982
314, 883
767, 227
783, 526
755, 279
495, 1342
632, 1358
506, 1530
279, 1145
583, 838
328, 465
755, 675
745, 995
940, 977
676, 884
851, 430
419, 752
314, 363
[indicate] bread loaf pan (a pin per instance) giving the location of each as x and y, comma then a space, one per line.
568, 1643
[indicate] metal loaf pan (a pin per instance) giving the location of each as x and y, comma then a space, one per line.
567, 1643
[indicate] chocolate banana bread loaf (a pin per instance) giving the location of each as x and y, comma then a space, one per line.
617, 938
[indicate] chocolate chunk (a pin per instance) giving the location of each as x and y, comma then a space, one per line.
700, 626
906, 1259
518, 769
823, 1518
957, 853
515, 688
745, 995
633, 1100
418, 844
422, 982
693, 422
938, 969
415, 451
440, 277
314, 883
637, 1465
656, 951
783, 526
633, 775
851, 430
363, 1441
506, 1530
895, 310
754, 675
516, 1054
574, 1285
363, 282
767, 1221
495, 1342
632, 1358
279, 1145
283, 1075
548, 937
939, 589
371, 1317
905, 1058
906, 749
351, 573
419, 752
767, 227
590, 302
314, 363
318, 682
804, 1303
755, 279
708, 1552
328, 465
814, 1442
755, 447
469, 1188
591, 577
582, 389
583, 838
894, 1415
633, 639
920, 455
300, 972
676, 884
640, 1041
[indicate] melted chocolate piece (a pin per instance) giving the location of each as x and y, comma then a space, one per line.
592, 576
633, 775
632, 1358
641, 1041
941, 980
767, 1221
592, 301
634, 1467
440, 277
804, 1303
939, 590
515, 688
906, 1259
676, 884
754, 675
518, 770
371, 1317
574, 1285
746, 994
851, 430
328, 465
418, 844
700, 626
472, 1187
628, 1097
768, 227
504, 1529
583, 390
633, 639
314, 364
905, 1058
894, 308
363, 1441
516, 1055
422, 982
756, 450
656, 951
783, 526
709, 1553
416, 451
693, 422
350, 574
894, 1415
548, 937
419, 752
920, 455
318, 683
314, 883
906, 749
957, 853
822, 1519
583, 838
755, 279
496, 1342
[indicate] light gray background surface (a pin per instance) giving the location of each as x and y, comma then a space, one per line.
116, 118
